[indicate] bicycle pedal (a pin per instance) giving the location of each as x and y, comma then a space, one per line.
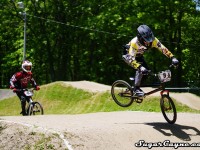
139, 100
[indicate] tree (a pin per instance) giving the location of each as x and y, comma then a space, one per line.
82, 40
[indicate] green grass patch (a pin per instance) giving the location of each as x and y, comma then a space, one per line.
59, 98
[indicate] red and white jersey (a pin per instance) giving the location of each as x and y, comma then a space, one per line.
21, 80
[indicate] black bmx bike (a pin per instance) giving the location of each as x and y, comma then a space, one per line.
123, 94
33, 107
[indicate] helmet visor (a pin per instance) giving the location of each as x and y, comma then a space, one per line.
148, 38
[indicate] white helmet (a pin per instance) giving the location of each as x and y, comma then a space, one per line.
27, 66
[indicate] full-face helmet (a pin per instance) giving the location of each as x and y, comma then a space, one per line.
145, 35
27, 66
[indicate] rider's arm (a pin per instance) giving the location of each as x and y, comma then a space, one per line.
157, 44
14, 79
133, 50
130, 57
34, 84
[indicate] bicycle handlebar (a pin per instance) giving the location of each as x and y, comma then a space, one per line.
20, 90
156, 74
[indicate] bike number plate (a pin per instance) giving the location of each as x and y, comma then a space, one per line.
28, 93
164, 76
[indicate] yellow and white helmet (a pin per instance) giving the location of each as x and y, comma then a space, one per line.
27, 66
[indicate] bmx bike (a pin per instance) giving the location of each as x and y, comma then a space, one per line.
33, 107
123, 94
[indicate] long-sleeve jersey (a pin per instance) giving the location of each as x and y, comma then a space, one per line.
136, 48
21, 79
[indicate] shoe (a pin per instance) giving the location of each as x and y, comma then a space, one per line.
23, 114
139, 92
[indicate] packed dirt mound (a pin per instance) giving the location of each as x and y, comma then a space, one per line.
18, 136
89, 86
188, 99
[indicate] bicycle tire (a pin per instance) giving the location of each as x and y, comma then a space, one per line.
29, 110
37, 109
122, 93
168, 109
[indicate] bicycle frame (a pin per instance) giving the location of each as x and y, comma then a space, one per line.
160, 88
30, 100
123, 94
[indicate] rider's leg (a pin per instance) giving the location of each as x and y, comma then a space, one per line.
138, 79
23, 103
139, 76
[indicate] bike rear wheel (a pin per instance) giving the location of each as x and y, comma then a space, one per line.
35, 108
168, 109
122, 93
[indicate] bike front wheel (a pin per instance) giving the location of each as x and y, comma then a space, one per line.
35, 108
122, 93
168, 109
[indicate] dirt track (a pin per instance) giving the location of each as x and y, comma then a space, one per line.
110, 131
117, 130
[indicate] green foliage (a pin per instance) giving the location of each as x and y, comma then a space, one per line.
81, 40
59, 98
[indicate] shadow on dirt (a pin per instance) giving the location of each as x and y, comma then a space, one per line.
175, 130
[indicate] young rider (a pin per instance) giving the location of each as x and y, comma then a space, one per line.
20, 80
136, 47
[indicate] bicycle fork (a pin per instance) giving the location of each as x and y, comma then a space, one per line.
164, 91
167, 104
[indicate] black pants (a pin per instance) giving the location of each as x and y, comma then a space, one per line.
23, 100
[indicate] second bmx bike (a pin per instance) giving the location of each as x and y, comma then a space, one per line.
33, 107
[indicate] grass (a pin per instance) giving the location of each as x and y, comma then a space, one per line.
58, 98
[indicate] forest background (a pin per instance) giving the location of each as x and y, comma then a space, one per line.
72, 40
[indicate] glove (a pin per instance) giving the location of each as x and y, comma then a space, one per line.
12, 87
37, 88
175, 61
143, 70
14, 90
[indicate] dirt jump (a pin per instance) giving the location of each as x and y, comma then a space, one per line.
123, 130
